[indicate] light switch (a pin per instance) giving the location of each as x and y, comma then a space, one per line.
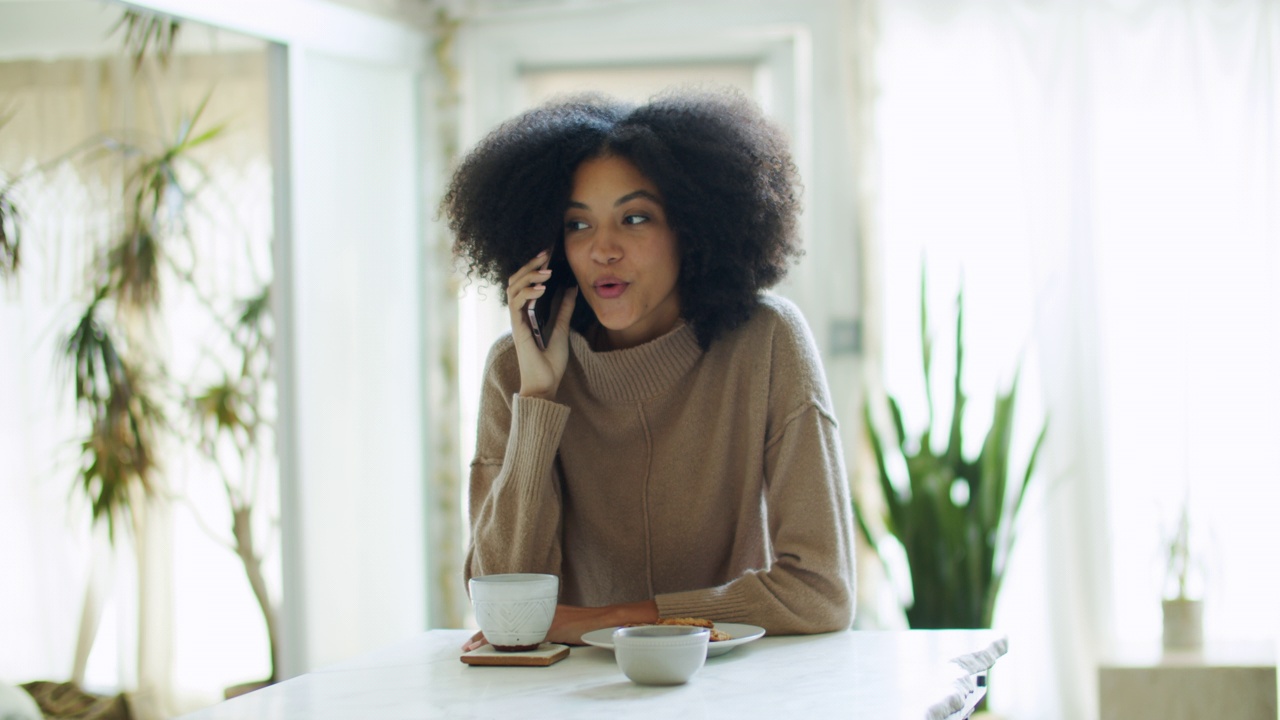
846, 336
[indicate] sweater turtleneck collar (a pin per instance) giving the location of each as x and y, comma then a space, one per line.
641, 372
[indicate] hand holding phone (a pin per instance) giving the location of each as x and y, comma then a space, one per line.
541, 312
538, 293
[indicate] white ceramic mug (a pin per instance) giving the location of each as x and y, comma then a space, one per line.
514, 610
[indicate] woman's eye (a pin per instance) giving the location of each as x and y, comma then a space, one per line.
635, 219
573, 225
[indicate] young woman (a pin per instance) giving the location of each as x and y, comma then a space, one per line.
672, 451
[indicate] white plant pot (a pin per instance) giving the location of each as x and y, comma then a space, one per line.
1183, 624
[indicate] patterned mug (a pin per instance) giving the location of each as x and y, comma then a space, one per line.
514, 610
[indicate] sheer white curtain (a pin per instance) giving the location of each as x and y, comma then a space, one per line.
1105, 177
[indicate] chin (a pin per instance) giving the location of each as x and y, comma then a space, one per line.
615, 327
614, 322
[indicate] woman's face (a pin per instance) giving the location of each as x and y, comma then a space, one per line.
622, 251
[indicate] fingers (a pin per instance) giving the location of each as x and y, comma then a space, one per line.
525, 287
538, 262
476, 641
529, 274
519, 299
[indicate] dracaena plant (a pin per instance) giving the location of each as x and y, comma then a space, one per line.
954, 515
119, 381
111, 389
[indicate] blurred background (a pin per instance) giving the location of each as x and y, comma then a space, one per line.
239, 368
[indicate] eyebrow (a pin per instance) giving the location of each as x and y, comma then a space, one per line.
624, 199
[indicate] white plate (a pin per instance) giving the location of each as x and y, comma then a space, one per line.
741, 635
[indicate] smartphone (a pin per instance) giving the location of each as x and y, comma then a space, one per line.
541, 312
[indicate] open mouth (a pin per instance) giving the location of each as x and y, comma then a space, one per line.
610, 288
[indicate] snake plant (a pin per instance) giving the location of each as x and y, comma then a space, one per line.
954, 515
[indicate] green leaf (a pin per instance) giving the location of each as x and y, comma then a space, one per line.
134, 267
10, 234
994, 459
225, 409
870, 538
1031, 469
895, 412
256, 310
893, 501
926, 347
146, 33
10, 220
955, 444
204, 137
116, 457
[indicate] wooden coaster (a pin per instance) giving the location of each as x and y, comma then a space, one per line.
545, 654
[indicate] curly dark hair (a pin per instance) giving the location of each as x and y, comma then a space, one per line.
729, 188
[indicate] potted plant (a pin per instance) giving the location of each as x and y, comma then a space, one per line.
1183, 609
954, 515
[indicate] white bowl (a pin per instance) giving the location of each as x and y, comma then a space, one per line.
660, 654
514, 610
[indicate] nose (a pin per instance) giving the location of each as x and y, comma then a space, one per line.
605, 247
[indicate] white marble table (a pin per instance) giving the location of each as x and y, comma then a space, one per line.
881, 675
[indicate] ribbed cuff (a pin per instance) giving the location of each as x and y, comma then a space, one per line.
722, 604
536, 428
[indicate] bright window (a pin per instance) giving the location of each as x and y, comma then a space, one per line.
1133, 157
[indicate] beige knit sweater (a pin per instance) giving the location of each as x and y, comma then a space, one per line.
711, 482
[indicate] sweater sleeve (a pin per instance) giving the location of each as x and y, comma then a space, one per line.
515, 495
809, 585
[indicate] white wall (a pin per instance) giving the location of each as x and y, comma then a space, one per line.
357, 356
350, 274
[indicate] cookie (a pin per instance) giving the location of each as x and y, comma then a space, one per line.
716, 635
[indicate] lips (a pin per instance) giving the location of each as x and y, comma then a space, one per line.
610, 287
